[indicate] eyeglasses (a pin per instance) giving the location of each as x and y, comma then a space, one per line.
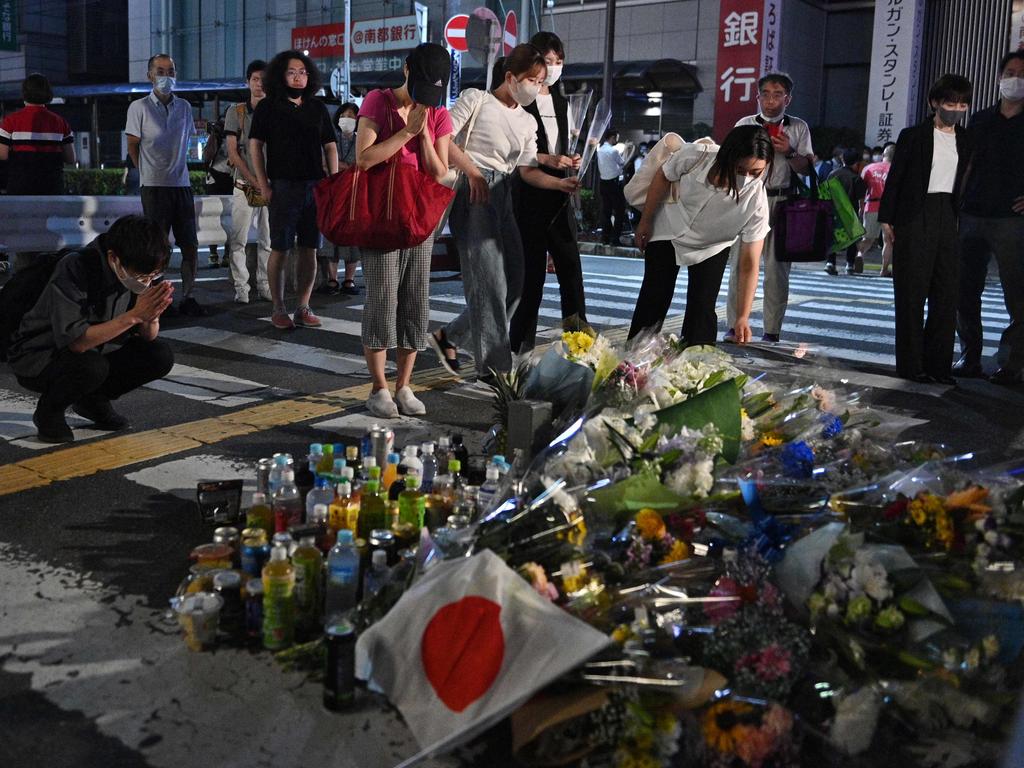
296, 73
772, 96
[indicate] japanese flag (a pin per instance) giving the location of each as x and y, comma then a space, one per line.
466, 645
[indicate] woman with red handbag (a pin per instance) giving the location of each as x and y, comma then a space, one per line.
504, 139
409, 122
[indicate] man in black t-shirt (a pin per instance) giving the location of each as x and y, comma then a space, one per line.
992, 224
296, 129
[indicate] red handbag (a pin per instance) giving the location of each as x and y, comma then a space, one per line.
388, 207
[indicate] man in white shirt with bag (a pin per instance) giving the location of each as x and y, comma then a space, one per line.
791, 139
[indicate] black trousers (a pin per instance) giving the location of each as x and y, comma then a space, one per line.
540, 239
704, 281
613, 201
71, 377
925, 268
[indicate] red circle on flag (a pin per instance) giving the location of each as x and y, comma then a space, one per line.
511, 35
455, 32
462, 650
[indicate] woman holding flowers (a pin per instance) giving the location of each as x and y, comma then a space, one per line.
717, 196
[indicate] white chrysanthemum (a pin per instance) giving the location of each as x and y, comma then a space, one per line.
871, 576
693, 479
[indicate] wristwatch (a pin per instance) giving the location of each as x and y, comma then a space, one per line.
791, 154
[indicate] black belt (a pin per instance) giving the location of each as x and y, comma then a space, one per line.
777, 192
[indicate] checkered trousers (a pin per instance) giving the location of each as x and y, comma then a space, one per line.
397, 308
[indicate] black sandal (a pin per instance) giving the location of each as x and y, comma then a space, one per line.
349, 287
329, 288
439, 341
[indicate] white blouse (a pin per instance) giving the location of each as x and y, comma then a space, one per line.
944, 160
502, 138
706, 220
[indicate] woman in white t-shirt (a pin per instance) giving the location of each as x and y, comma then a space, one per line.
502, 138
718, 196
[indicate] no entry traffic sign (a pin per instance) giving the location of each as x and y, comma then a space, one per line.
455, 32
511, 36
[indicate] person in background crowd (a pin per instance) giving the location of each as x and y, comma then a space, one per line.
547, 222
641, 155
822, 166
159, 129
721, 200
992, 224
237, 125
218, 174
919, 212
295, 127
876, 154
130, 177
411, 122
610, 164
504, 139
874, 177
791, 138
865, 158
330, 254
855, 189
36, 143
108, 290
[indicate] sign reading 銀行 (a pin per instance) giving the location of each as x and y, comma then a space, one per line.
895, 69
368, 36
748, 47
8, 25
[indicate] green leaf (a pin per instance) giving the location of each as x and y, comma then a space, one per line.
639, 491
719, 405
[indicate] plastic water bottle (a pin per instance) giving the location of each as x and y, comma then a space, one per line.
443, 454
287, 503
489, 489
377, 576
342, 578
429, 466
316, 452
321, 494
413, 464
503, 466
277, 471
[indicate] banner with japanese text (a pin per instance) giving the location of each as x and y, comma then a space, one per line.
1017, 26
368, 36
748, 47
895, 69
8, 25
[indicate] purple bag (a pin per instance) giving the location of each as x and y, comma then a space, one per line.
804, 227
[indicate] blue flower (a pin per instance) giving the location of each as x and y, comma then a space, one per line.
797, 459
831, 425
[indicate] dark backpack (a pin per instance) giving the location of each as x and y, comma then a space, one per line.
20, 294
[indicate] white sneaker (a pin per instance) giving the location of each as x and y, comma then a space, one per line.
408, 403
241, 297
381, 405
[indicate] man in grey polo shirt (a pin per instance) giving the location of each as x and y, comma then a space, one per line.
159, 128
791, 138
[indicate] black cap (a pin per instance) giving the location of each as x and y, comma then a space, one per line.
430, 66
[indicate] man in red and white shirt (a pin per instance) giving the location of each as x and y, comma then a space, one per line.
875, 175
36, 143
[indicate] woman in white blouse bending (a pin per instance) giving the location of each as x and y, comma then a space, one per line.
718, 196
503, 138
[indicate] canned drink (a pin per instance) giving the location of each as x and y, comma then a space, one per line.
254, 610
381, 442
340, 672
263, 467
227, 534
255, 553
285, 539
228, 584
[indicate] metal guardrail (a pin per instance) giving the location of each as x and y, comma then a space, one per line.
51, 223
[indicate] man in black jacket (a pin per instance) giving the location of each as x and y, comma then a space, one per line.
547, 223
58, 350
919, 212
992, 223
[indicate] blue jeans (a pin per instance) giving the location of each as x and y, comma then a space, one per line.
491, 254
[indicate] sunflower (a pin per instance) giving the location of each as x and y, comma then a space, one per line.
722, 727
650, 525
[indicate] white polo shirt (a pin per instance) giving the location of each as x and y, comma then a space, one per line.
706, 220
799, 134
164, 133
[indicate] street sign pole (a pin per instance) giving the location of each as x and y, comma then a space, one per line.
348, 53
609, 52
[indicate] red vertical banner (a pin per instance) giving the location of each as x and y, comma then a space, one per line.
739, 62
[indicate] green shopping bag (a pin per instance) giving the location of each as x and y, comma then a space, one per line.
848, 227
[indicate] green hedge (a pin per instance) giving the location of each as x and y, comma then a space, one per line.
107, 181
591, 209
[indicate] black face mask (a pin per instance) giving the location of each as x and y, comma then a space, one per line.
295, 92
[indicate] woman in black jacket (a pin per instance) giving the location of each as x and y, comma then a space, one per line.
919, 213
546, 220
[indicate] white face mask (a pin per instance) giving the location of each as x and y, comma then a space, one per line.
524, 94
876, 158
164, 84
347, 125
133, 284
742, 180
554, 72
777, 119
1012, 88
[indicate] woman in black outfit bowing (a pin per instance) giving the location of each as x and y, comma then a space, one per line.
919, 212
546, 220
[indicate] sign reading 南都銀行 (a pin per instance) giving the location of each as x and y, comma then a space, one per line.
8, 25
368, 36
748, 47
895, 69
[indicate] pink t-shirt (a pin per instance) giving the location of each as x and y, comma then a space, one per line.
379, 103
874, 175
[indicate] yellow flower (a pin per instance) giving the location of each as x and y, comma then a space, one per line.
771, 441
917, 513
621, 634
721, 727
678, 552
649, 524
577, 343
578, 533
